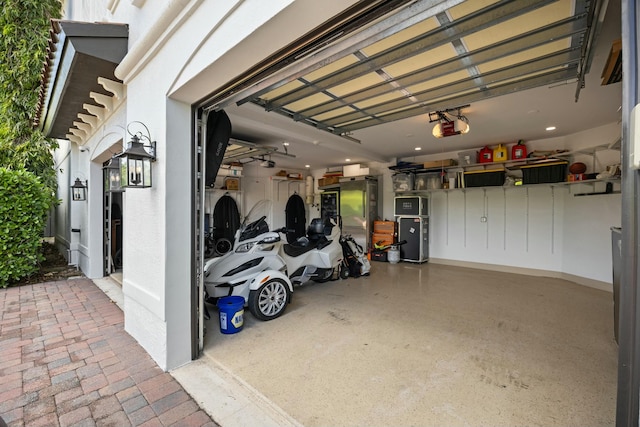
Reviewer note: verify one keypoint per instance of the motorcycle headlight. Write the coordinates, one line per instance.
(245, 247)
(270, 239)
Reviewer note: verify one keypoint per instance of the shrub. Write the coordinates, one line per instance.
(24, 203)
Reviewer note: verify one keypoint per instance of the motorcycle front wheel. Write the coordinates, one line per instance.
(270, 300)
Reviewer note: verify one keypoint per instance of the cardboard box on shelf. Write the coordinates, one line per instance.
(232, 184)
(331, 180)
(355, 170)
(439, 163)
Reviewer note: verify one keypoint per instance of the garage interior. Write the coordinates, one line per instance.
(432, 344)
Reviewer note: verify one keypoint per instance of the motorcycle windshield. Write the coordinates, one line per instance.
(261, 212)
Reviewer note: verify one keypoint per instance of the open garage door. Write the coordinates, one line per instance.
(381, 63)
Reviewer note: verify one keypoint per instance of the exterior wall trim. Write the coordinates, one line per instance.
(153, 40)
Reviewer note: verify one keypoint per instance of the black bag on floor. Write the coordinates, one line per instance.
(354, 257)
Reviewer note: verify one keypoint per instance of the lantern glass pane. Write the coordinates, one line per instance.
(133, 173)
(124, 172)
(147, 172)
(114, 180)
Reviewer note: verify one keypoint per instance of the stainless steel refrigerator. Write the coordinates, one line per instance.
(359, 207)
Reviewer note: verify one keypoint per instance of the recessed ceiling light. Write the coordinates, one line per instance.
(347, 160)
(307, 166)
(418, 148)
(550, 128)
(286, 144)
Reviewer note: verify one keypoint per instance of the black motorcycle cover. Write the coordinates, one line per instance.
(296, 218)
(217, 139)
(226, 218)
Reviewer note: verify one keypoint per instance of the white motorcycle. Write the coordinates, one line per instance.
(263, 270)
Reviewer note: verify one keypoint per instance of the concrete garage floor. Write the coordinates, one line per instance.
(432, 345)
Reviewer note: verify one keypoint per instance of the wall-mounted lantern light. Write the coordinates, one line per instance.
(112, 178)
(135, 161)
(79, 190)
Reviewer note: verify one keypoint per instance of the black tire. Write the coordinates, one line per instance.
(209, 247)
(344, 272)
(223, 246)
(270, 300)
(328, 276)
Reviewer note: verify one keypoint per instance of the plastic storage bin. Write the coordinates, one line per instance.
(469, 157)
(545, 172)
(428, 181)
(403, 181)
(484, 178)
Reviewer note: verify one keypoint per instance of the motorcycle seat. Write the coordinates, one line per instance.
(294, 250)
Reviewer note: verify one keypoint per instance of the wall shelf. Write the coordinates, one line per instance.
(515, 166)
(565, 184)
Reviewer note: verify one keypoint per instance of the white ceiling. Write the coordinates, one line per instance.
(504, 119)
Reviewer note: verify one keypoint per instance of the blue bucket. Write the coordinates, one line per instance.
(231, 314)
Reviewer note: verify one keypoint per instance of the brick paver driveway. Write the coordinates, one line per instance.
(65, 360)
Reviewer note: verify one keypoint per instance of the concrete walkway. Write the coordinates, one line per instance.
(65, 360)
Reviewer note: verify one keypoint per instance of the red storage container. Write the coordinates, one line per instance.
(485, 155)
(519, 151)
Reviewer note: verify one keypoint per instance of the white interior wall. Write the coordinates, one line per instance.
(260, 183)
(587, 243)
(537, 229)
(523, 227)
